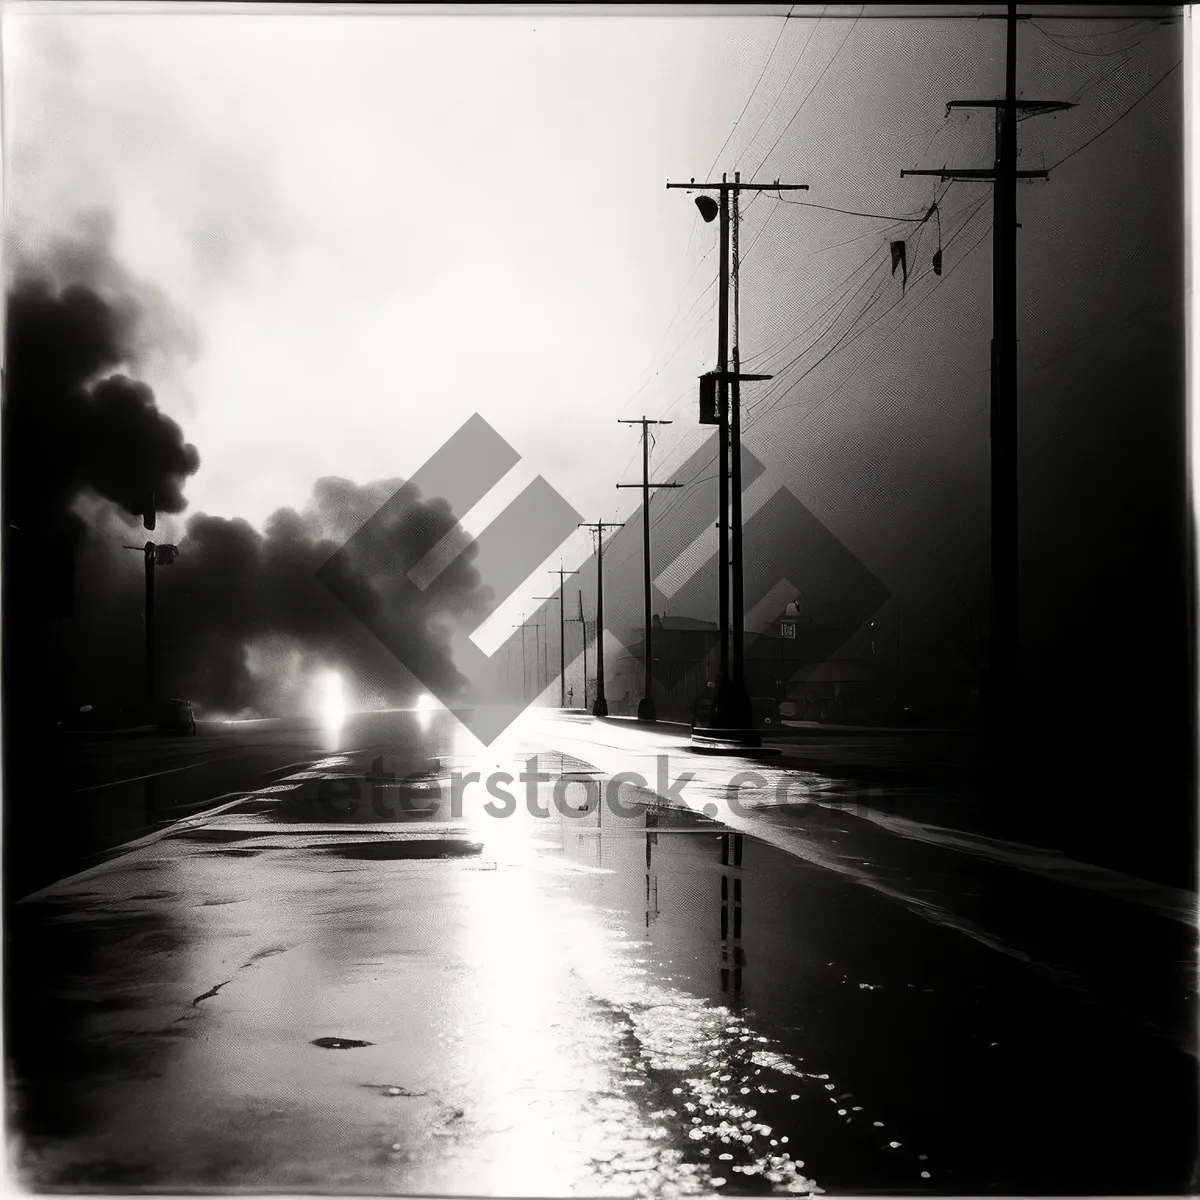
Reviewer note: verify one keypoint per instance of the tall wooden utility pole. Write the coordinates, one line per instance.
(562, 641)
(161, 555)
(646, 709)
(557, 598)
(601, 706)
(151, 682)
(743, 714)
(582, 622)
(1003, 694)
(524, 670)
(733, 717)
(539, 674)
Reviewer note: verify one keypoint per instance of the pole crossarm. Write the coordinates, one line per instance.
(1035, 106)
(776, 186)
(939, 16)
(973, 173)
(730, 376)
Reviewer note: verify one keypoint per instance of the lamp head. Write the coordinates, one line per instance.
(708, 207)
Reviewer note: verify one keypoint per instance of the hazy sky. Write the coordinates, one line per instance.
(380, 223)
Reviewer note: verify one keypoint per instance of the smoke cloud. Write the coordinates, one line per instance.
(73, 421)
(242, 622)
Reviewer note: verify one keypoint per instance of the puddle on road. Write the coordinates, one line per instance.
(721, 998)
(336, 1043)
(397, 848)
(700, 941)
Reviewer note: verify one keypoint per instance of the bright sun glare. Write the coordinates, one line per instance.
(333, 701)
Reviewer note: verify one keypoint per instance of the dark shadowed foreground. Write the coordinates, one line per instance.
(290, 965)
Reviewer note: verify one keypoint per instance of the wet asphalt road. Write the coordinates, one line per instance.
(292, 979)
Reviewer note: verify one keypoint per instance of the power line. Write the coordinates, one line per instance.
(1102, 32)
(753, 90)
(773, 388)
(1161, 79)
(1100, 77)
(845, 340)
(746, 253)
(804, 101)
(831, 350)
(883, 341)
(858, 237)
(1086, 53)
(675, 318)
(666, 509)
(907, 316)
(849, 212)
(779, 95)
(856, 270)
(697, 478)
(686, 338)
(779, 372)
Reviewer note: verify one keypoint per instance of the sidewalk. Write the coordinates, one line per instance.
(1111, 937)
(858, 753)
(801, 728)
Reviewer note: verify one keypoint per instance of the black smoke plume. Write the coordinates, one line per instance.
(241, 621)
(245, 626)
(76, 425)
(74, 422)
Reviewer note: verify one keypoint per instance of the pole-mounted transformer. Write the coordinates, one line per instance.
(709, 413)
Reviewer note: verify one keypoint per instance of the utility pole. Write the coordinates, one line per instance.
(601, 707)
(148, 552)
(154, 556)
(1004, 723)
(562, 670)
(733, 716)
(646, 709)
(537, 659)
(538, 673)
(562, 641)
(742, 714)
(524, 671)
(537, 649)
(583, 632)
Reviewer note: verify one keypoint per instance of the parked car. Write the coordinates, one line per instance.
(176, 719)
